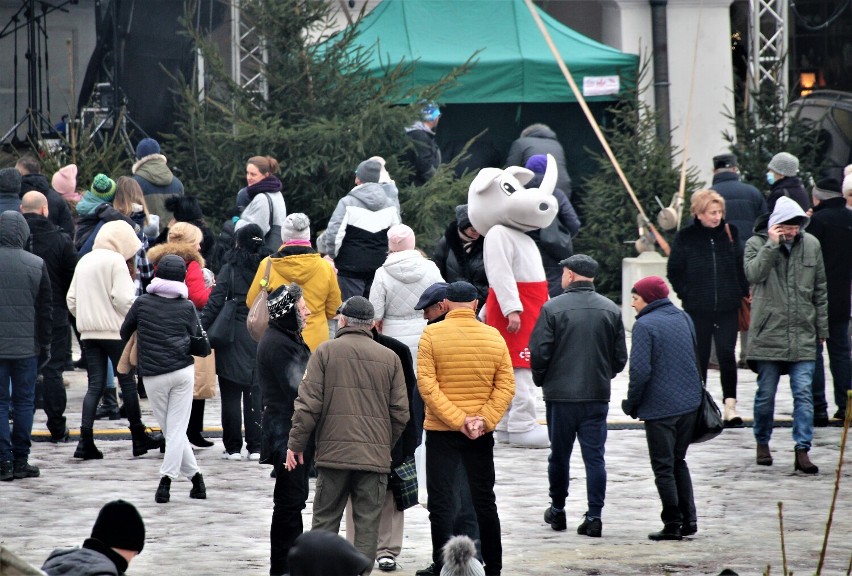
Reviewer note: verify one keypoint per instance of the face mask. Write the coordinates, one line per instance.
(770, 178)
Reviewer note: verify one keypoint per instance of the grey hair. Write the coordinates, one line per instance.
(350, 321)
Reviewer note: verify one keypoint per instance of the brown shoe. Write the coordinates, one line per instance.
(764, 457)
(803, 463)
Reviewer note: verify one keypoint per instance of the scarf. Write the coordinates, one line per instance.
(467, 242)
(269, 184)
(298, 242)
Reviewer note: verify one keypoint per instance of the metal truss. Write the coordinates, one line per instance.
(768, 29)
(249, 53)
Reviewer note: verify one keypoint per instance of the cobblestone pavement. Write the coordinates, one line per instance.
(737, 504)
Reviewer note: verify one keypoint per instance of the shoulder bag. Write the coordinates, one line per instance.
(199, 345)
(403, 484)
(258, 316)
(221, 332)
(272, 239)
(708, 421)
(744, 313)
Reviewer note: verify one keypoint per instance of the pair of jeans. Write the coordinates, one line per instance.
(21, 372)
(54, 396)
(801, 381)
(350, 287)
(668, 439)
(840, 365)
(97, 353)
(720, 327)
(586, 422)
(289, 499)
(444, 451)
(240, 404)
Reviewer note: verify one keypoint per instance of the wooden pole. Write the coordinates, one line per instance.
(594, 123)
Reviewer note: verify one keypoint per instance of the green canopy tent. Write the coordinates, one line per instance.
(515, 80)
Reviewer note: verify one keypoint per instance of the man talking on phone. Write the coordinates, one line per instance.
(784, 266)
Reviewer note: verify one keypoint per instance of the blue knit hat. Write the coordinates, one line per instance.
(147, 147)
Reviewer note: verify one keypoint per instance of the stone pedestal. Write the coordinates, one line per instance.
(633, 270)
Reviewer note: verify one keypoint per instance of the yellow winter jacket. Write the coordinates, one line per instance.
(319, 286)
(463, 369)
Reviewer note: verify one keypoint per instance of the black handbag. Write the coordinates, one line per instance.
(221, 332)
(403, 484)
(199, 345)
(708, 417)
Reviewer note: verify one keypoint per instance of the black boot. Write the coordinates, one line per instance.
(144, 441)
(162, 496)
(199, 490)
(108, 410)
(196, 424)
(86, 448)
(671, 531)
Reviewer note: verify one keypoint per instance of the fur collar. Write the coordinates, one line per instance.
(144, 159)
(185, 251)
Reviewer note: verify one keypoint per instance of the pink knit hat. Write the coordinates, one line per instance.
(64, 180)
(400, 237)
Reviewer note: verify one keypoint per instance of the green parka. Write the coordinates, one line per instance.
(789, 297)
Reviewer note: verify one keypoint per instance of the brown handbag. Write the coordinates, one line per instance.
(258, 316)
(129, 356)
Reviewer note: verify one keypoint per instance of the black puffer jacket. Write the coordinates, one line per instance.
(58, 211)
(51, 244)
(790, 186)
(163, 328)
(578, 346)
(25, 294)
(455, 264)
(705, 268)
(236, 361)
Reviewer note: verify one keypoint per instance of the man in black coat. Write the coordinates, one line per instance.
(578, 347)
(55, 247)
(33, 179)
(831, 223)
(25, 327)
(423, 155)
(743, 202)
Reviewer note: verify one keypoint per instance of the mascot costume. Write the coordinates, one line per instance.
(502, 210)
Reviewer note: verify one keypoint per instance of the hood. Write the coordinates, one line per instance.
(406, 266)
(499, 197)
(541, 132)
(118, 236)
(787, 209)
(372, 194)
(298, 268)
(153, 169)
(78, 561)
(419, 125)
(185, 251)
(14, 231)
(34, 182)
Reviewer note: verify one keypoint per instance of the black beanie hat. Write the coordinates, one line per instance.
(322, 553)
(249, 237)
(119, 525)
(184, 208)
(171, 267)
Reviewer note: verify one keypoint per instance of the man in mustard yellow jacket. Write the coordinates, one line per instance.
(465, 377)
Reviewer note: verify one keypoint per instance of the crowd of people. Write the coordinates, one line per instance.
(358, 355)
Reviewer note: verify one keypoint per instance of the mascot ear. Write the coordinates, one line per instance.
(483, 180)
(523, 175)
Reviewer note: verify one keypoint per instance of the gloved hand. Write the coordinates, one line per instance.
(629, 410)
(43, 358)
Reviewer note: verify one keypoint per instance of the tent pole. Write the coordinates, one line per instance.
(595, 126)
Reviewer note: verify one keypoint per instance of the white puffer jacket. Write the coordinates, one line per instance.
(397, 287)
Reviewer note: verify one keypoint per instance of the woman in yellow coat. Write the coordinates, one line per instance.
(298, 262)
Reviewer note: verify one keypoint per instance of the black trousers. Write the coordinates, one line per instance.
(54, 398)
(289, 499)
(668, 439)
(240, 404)
(721, 327)
(444, 452)
(97, 352)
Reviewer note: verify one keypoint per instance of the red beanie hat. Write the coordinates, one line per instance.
(651, 288)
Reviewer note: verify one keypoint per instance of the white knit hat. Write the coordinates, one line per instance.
(296, 226)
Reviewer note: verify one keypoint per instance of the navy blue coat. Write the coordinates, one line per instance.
(664, 378)
(743, 203)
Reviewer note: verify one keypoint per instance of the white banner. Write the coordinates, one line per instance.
(600, 85)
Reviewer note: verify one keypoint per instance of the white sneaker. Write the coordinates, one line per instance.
(231, 456)
(254, 456)
(535, 438)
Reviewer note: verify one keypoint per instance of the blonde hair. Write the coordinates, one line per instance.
(127, 193)
(185, 233)
(700, 202)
